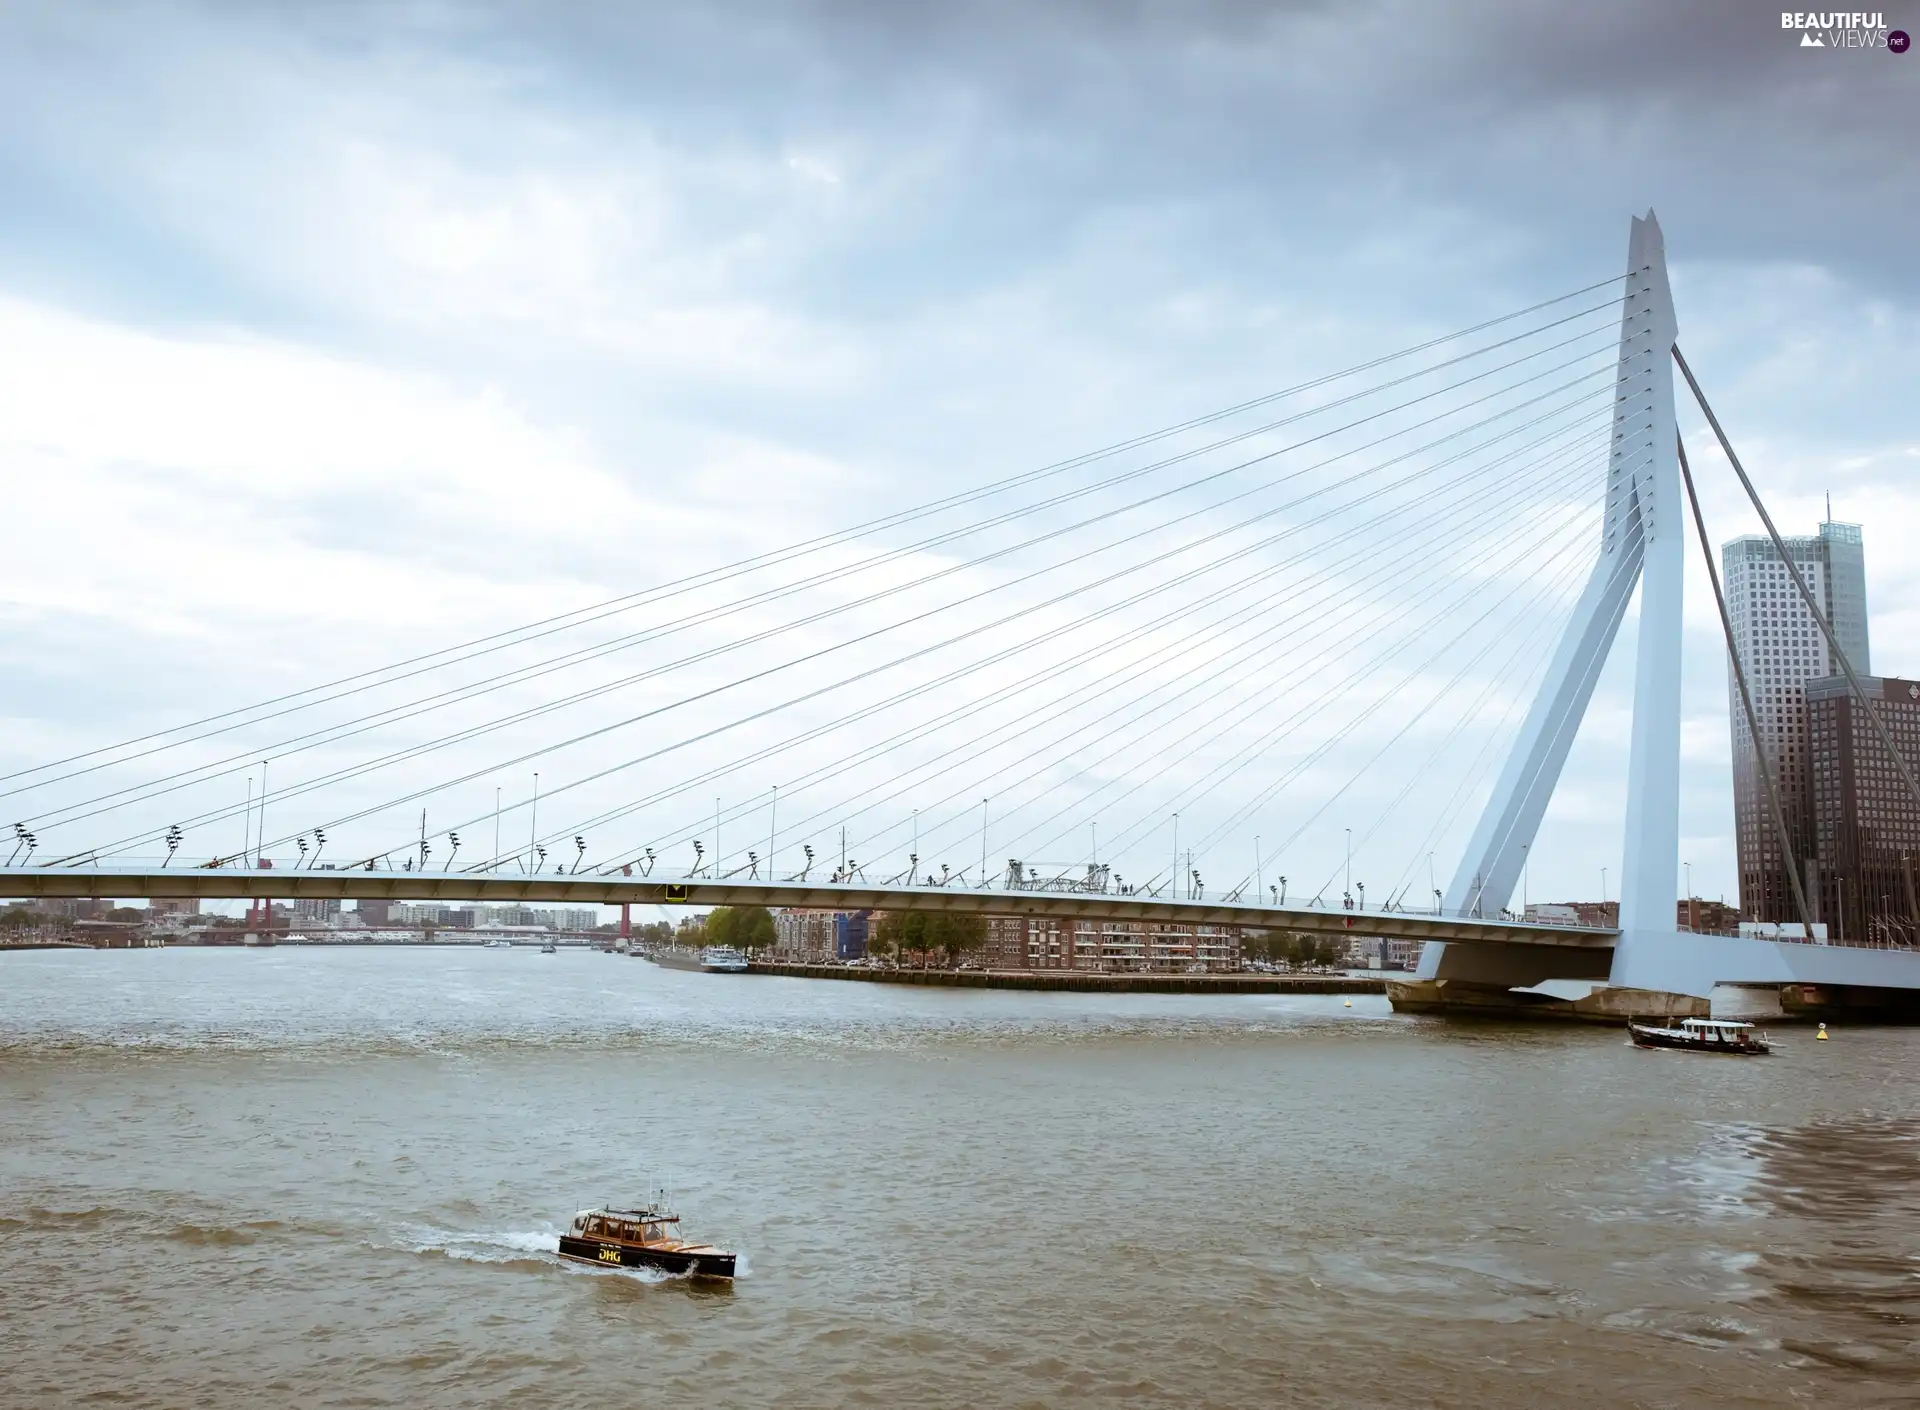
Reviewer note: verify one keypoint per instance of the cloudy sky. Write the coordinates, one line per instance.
(331, 335)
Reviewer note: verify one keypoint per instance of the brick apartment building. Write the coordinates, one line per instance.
(820, 936)
(1018, 942)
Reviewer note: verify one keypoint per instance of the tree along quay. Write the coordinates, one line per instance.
(1084, 982)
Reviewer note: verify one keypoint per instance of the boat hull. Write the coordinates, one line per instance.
(603, 1253)
(681, 959)
(668, 959)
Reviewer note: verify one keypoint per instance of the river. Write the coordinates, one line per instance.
(333, 1178)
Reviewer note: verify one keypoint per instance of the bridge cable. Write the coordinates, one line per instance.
(1028, 611)
(245, 761)
(1194, 793)
(1800, 582)
(970, 708)
(1173, 615)
(1191, 545)
(707, 578)
(1331, 627)
(1787, 850)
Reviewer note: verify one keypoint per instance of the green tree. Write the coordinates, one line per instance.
(1296, 950)
(1304, 950)
(902, 933)
(956, 935)
(889, 936)
(743, 927)
(916, 932)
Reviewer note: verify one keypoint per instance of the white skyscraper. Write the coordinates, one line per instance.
(1780, 649)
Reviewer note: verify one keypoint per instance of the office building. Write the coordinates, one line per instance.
(1780, 649)
(1865, 820)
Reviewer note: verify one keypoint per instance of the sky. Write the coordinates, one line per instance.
(335, 334)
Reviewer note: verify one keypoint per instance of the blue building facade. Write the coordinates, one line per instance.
(850, 935)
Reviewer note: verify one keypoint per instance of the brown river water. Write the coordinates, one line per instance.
(333, 1178)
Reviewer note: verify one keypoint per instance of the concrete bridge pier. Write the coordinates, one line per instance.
(1533, 982)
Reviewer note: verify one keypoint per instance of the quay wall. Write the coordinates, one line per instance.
(1084, 981)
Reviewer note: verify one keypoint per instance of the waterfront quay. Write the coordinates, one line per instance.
(1084, 981)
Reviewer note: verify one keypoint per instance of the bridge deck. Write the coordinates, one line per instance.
(161, 883)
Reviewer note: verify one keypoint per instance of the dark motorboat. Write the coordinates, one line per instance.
(641, 1238)
(1702, 1035)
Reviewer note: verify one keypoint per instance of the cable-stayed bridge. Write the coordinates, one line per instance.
(1330, 625)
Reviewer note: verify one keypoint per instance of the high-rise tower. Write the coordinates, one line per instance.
(1781, 648)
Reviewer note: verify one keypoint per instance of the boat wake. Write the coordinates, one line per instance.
(533, 1247)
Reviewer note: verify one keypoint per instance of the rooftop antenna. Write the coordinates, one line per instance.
(1829, 506)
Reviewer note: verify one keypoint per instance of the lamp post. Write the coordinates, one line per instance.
(983, 842)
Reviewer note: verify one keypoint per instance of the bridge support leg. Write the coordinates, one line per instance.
(1650, 861)
(1641, 542)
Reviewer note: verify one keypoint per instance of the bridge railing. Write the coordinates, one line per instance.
(1028, 879)
(1019, 879)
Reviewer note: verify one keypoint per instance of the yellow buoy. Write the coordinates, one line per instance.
(1349, 1003)
(1822, 1034)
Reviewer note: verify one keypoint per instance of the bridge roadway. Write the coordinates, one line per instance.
(202, 883)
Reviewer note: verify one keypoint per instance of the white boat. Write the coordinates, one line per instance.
(499, 942)
(1701, 1035)
(723, 959)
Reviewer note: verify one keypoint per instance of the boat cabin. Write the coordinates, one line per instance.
(631, 1226)
(1717, 1030)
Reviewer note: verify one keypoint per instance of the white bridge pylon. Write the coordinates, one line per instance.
(1641, 544)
